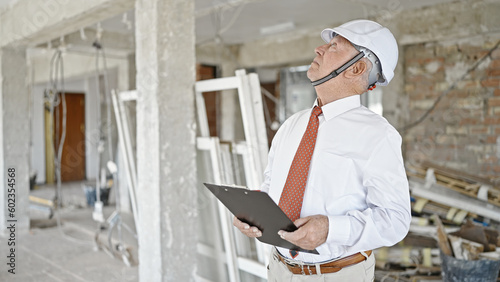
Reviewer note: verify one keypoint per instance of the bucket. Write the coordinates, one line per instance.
(459, 270)
(90, 194)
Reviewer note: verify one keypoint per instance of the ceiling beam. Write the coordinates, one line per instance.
(116, 41)
(31, 23)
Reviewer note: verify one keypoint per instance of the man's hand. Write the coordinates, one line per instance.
(250, 231)
(312, 232)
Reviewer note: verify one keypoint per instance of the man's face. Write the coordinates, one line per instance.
(330, 56)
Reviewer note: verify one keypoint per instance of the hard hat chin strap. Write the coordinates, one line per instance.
(339, 70)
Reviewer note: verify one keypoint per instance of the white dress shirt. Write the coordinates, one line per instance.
(356, 178)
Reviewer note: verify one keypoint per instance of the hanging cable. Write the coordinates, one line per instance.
(232, 20)
(53, 99)
(109, 138)
(114, 221)
(108, 107)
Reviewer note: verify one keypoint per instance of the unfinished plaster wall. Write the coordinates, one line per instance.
(440, 46)
(462, 132)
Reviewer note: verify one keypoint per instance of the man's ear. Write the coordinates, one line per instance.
(359, 68)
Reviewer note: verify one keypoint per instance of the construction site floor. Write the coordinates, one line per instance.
(68, 252)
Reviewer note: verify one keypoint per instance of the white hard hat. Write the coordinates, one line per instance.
(375, 38)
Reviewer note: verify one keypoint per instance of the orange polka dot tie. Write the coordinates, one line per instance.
(295, 185)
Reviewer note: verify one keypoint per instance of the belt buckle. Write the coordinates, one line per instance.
(295, 264)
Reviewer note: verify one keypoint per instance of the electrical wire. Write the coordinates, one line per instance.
(452, 86)
(117, 221)
(270, 123)
(216, 18)
(56, 69)
(97, 45)
(31, 83)
(108, 106)
(109, 138)
(99, 124)
(232, 20)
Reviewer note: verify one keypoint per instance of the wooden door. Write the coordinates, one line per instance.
(73, 153)
(212, 102)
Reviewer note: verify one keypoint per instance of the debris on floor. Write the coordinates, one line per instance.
(454, 231)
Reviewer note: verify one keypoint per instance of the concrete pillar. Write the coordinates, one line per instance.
(14, 139)
(166, 151)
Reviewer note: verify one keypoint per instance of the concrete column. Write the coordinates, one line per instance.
(166, 151)
(14, 138)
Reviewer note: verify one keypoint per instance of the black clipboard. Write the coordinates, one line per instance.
(257, 209)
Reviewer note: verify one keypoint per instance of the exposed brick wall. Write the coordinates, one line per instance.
(463, 130)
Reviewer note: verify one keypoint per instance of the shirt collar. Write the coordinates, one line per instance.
(340, 106)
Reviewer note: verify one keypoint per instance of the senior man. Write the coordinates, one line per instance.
(336, 169)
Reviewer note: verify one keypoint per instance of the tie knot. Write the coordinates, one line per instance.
(316, 111)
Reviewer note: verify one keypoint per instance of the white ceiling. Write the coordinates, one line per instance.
(237, 21)
(252, 15)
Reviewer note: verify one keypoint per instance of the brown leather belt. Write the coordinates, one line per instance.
(329, 267)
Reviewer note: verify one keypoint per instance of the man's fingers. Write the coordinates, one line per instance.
(282, 234)
(240, 224)
(312, 232)
(291, 237)
(301, 221)
(250, 231)
(256, 231)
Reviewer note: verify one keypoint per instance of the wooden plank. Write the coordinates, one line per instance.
(463, 187)
(443, 242)
(461, 175)
(442, 195)
(465, 249)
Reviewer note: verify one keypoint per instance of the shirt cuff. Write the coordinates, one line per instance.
(339, 229)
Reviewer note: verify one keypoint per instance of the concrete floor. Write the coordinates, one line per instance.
(46, 254)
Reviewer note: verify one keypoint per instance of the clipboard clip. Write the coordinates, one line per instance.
(238, 186)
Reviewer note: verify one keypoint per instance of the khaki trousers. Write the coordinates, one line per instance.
(361, 272)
